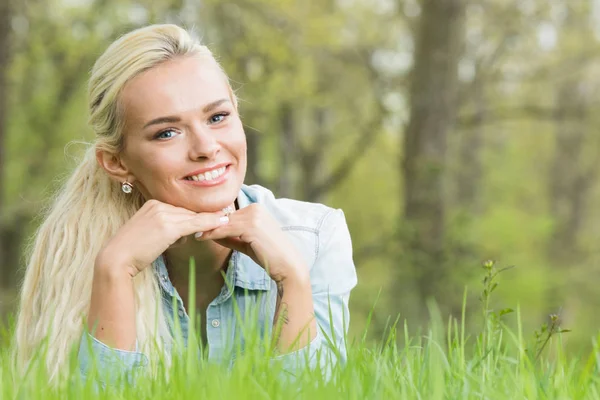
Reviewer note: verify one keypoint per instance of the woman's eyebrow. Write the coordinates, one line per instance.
(211, 106)
(171, 119)
(162, 120)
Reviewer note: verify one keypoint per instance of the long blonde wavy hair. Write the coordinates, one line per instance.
(88, 210)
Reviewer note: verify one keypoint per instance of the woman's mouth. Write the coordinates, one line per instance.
(210, 177)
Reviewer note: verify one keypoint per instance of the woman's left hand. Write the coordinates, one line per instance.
(254, 232)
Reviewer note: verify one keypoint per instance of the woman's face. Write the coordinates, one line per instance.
(184, 140)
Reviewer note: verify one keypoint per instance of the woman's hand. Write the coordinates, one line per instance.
(254, 232)
(153, 229)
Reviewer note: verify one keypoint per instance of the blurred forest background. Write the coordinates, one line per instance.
(449, 131)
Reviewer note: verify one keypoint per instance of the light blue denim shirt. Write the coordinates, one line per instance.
(319, 233)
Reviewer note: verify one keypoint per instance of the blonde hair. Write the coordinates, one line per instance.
(88, 210)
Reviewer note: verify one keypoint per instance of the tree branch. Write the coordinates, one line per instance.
(343, 169)
(516, 113)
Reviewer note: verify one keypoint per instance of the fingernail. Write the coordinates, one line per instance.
(198, 234)
(224, 220)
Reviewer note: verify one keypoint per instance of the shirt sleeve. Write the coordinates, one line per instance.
(332, 276)
(106, 364)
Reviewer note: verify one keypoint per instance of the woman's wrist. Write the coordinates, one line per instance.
(112, 269)
(295, 275)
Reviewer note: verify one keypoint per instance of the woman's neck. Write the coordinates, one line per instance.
(211, 261)
(208, 257)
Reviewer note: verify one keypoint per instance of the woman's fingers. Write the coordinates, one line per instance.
(240, 226)
(224, 231)
(203, 222)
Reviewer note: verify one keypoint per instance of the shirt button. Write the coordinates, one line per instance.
(215, 323)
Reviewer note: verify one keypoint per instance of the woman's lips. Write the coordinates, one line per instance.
(213, 182)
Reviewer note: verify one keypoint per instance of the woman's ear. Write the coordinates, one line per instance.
(114, 166)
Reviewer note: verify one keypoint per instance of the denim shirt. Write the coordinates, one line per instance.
(320, 235)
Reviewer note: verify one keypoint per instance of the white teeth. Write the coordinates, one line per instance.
(208, 176)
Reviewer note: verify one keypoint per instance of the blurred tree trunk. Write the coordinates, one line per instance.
(6, 268)
(253, 146)
(287, 152)
(571, 175)
(313, 161)
(570, 181)
(433, 98)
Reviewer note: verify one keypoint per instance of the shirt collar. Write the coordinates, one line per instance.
(242, 270)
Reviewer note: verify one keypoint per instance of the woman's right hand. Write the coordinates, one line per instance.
(153, 229)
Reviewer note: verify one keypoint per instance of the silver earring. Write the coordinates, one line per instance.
(126, 187)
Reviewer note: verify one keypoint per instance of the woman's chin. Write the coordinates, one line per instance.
(213, 202)
(211, 208)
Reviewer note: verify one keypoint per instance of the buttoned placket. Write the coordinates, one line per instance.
(169, 292)
(214, 312)
(215, 332)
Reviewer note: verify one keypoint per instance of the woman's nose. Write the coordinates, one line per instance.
(203, 144)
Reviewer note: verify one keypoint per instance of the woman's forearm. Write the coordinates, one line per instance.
(111, 317)
(294, 325)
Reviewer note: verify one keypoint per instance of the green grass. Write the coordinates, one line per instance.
(444, 362)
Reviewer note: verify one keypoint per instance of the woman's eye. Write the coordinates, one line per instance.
(215, 119)
(168, 134)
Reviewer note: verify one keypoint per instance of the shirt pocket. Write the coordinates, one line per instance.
(305, 241)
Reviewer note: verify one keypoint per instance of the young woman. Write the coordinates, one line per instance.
(164, 182)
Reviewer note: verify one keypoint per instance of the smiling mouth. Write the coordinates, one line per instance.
(208, 175)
